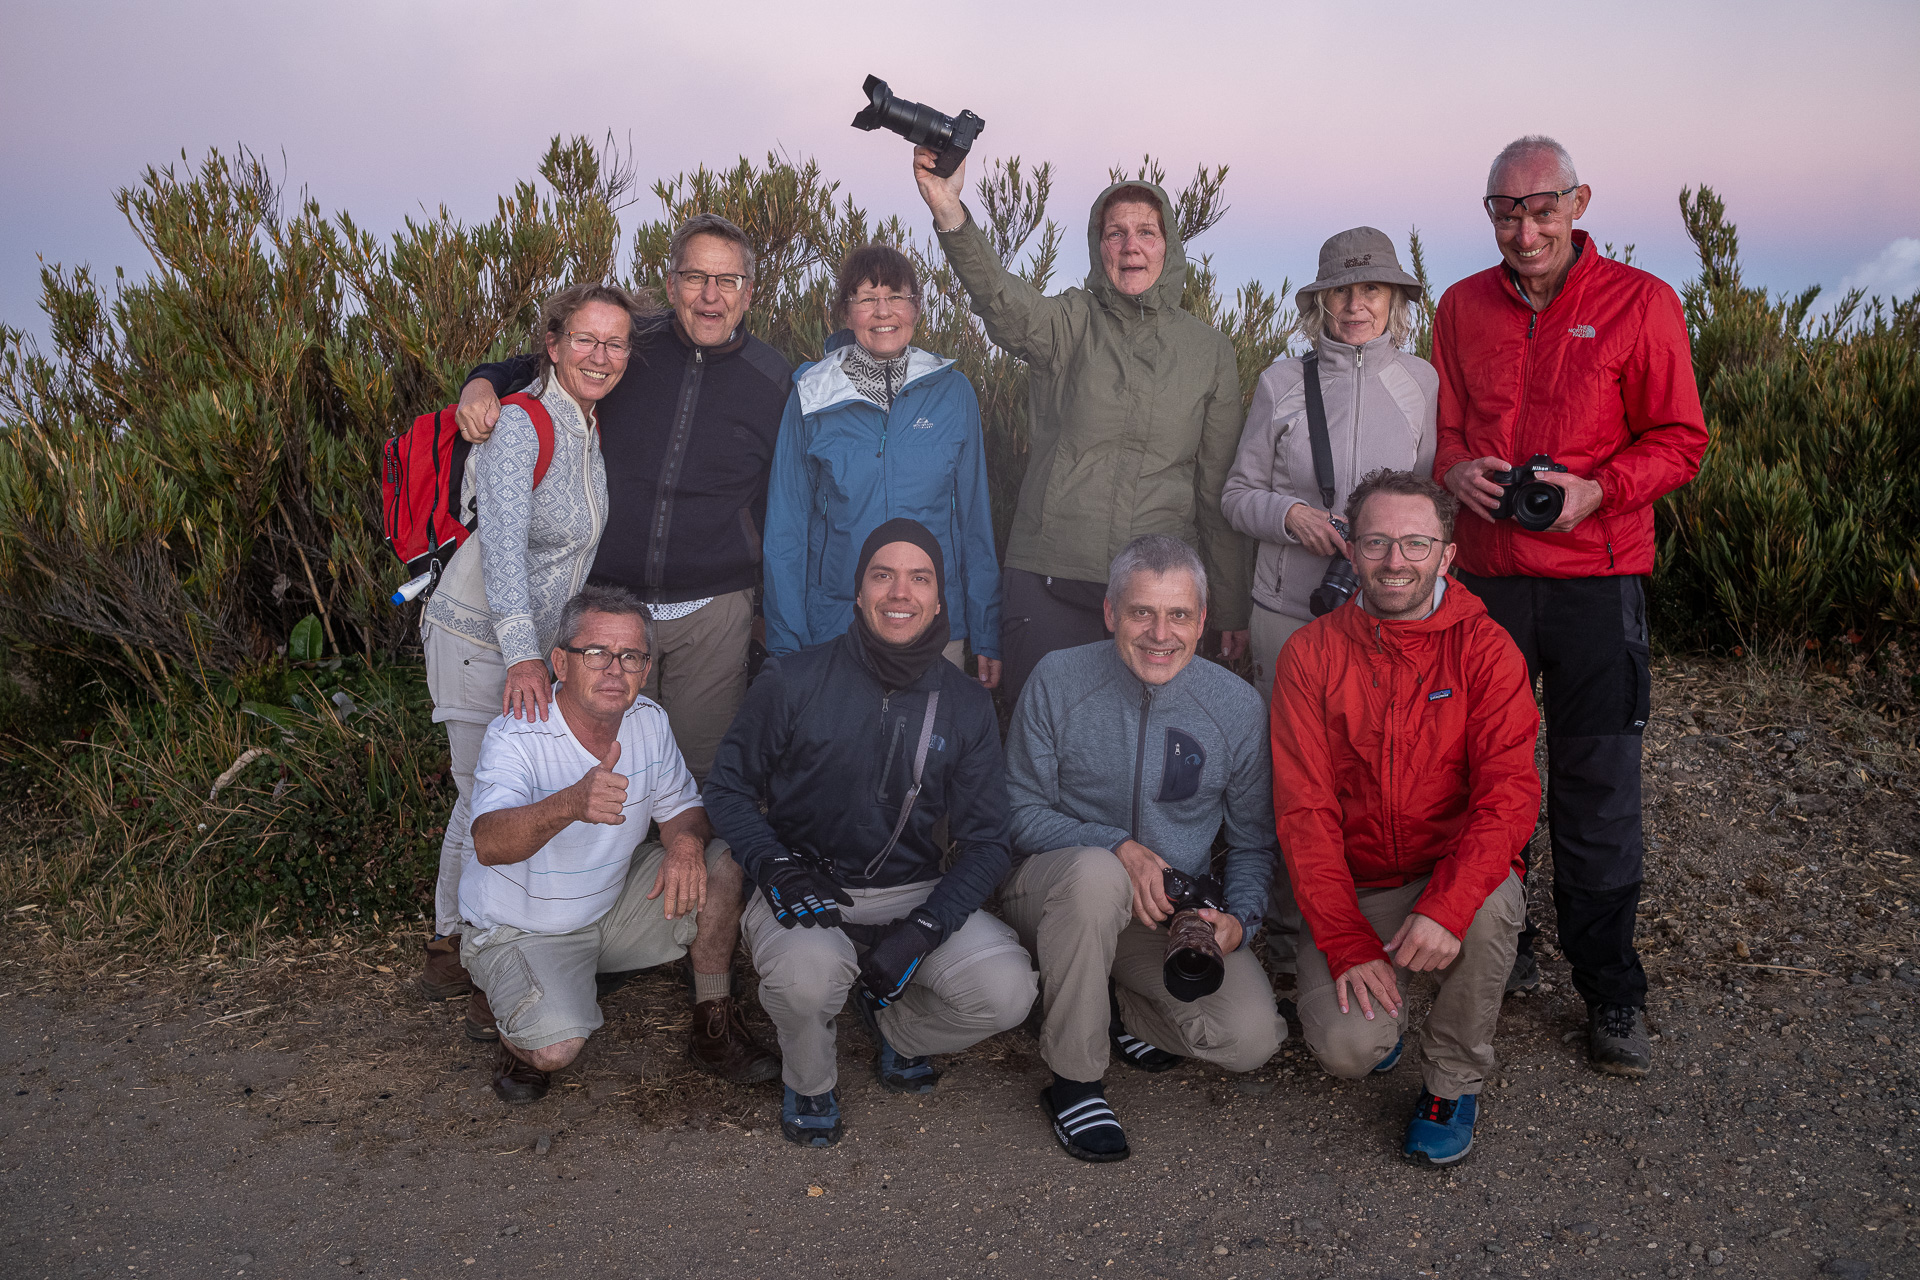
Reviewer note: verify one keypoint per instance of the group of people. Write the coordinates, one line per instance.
(853, 816)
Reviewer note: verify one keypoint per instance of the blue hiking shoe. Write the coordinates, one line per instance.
(1392, 1059)
(896, 1071)
(1441, 1131)
(811, 1120)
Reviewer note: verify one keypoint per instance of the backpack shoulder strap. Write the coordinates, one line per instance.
(542, 429)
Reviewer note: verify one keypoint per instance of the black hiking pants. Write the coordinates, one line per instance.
(1039, 614)
(1587, 640)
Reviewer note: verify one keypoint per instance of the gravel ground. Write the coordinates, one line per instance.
(300, 1113)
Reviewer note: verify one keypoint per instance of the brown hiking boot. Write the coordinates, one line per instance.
(478, 1024)
(722, 1045)
(441, 977)
(514, 1082)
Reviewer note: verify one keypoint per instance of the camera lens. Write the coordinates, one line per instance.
(1336, 585)
(1537, 505)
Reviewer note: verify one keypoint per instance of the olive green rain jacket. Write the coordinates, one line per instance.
(1134, 412)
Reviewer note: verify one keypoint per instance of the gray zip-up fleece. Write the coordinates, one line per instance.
(1096, 756)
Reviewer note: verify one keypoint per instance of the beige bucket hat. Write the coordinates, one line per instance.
(1351, 257)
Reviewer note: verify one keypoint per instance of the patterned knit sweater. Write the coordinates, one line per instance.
(507, 584)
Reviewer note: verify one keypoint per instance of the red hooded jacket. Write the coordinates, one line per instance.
(1399, 749)
(1602, 380)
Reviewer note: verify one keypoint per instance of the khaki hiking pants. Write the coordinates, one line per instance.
(1073, 909)
(467, 682)
(699, 674)
(1456, 1041)
(975, 984)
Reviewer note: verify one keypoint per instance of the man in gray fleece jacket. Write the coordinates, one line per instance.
(1124, 759)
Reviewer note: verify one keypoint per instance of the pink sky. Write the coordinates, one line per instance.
(1806, 118)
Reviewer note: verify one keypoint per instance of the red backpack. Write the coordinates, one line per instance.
(426, 509)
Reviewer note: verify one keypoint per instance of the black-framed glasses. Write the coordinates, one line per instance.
(729, 282)
(632, 661)
(583, 344)
(1541, 204)
(1415, 546)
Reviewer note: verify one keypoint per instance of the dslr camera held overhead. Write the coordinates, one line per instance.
(949, 137)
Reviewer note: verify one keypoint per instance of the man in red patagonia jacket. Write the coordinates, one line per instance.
(1564, 352)
(1404, 788)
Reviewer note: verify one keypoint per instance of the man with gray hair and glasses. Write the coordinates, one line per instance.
(1563, 352)
(688, 439)
(560, 891)
(1124, 760)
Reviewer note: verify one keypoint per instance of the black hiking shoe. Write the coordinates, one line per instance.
(1617, 1040)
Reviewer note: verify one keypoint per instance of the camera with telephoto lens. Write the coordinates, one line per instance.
(1339, 582)
(1194, 966)
(1527, 500)
(948, 137)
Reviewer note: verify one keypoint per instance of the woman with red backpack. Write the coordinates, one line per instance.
(493, 616)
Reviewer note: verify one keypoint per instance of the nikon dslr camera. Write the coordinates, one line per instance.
(1527, 500)
(1339, 582)
(948, 137)
(1194, 966)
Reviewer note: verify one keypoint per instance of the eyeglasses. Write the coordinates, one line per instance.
(632, 661)
(1540, 206)
(891, 299)
(1414, 546)
(584, 343)
(696, 281)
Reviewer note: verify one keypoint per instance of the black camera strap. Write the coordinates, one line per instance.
(1317, 431)
(879, 859)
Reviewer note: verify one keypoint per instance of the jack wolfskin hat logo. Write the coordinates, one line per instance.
(1581, 331)
(1364, 260)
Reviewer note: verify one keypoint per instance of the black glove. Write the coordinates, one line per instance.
(897, 950)
(801, 894)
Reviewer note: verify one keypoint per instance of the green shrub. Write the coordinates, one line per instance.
(1804, 523)
(335, 796)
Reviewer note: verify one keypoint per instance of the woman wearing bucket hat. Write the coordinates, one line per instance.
(1379, 401)
(1379, 409)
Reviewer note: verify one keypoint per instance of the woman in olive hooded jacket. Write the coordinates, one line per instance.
(1134, 415)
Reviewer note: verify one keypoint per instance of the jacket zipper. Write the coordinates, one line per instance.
(1359, 372)
(597, 515)
(893, 744)
(1140, 757)
(670, 470)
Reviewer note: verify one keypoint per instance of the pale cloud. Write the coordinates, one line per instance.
(1893, 274)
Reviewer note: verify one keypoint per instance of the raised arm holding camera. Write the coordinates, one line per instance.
(1134, 413)
(1563, 356)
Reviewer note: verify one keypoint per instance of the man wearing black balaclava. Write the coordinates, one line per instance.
(858, 748)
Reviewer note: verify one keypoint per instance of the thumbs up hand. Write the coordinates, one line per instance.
(601, 796)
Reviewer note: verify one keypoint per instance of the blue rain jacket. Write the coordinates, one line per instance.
(843, 467)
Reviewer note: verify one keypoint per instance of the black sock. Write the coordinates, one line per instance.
(1066, 1092)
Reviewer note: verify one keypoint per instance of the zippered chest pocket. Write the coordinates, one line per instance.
(1180, 770)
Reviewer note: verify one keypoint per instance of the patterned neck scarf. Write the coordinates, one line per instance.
(875, 380)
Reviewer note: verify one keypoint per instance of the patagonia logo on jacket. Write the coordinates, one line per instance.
(1438, 694)
(1582, 331)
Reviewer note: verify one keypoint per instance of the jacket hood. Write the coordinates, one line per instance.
(825, 383)
(1164, 294)
(1458, 607)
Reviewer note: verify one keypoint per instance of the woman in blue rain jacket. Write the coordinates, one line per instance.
(875, 429)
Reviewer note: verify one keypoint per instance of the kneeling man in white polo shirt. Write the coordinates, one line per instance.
(559, 887)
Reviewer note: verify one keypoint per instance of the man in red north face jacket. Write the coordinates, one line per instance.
(1564, 352)
(1403, 731)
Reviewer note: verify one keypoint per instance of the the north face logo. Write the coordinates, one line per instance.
(1581, 331)
(1364, 260)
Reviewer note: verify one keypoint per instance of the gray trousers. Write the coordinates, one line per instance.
(699, 674)
(1456, 1040)
(467, 682)
(975, 984)
(1073, 909)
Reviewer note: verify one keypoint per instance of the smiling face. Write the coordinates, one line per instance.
(1157, 623)
(1396, 588)
(1538, 248)
(602, 695)
(1358, 313)
(709, 313)
(882, 319)
(587, 377)
(899, 594)
(1133, 248)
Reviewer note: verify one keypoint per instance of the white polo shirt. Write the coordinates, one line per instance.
(576, 877)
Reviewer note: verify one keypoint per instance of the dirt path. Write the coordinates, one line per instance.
(304, 1115)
